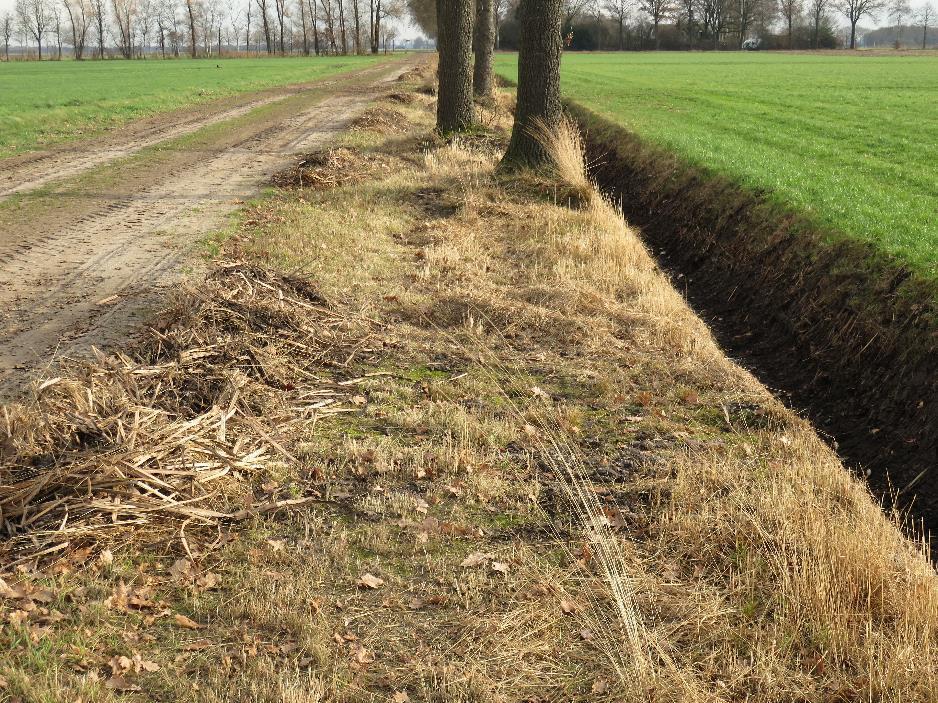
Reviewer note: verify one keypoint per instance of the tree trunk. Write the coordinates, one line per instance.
(538, 80)
(342, 27)
(314, 18)
(483, 45)
(455, 110)
(358, 28)
(853, 35)
(191, 27)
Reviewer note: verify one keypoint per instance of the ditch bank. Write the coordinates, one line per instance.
(846, 334)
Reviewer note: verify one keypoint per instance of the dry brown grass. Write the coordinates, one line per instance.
(567, 491)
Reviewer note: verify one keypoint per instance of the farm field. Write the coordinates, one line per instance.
(49, 102)
(852, 141)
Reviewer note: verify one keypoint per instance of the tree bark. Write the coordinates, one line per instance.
(538, 80)
(191, 27)
(483, 45)
(455, 110)
(853, 36)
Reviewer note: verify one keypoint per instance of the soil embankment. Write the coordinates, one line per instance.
(849, 336)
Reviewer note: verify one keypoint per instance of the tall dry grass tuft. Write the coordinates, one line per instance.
(564, 144)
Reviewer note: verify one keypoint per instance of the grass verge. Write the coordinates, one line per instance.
(53, 101)
(832, 321)
(553, 485)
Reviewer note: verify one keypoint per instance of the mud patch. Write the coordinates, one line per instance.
(847, 335)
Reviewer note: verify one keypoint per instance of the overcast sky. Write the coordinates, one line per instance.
(409, 31)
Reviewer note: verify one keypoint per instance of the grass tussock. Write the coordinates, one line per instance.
(553, 485)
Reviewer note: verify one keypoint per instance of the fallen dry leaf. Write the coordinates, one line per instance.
(569, 607)
(370, 581)
(600, 686)
(400, 697)
(475, 559)
(197, 646)
(500, 566)
(119, 683)
(187, 623)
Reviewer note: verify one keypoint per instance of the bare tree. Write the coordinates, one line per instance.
(99, 11)
(265, 22)
(6, 28)
(79, 13)
(789, 10)
(898, 10)
(818, 10)
(356, 13)
(455, 109)
(304, 26)
(538, 81)
(330, 25)
(35, 18)
(572, 9)
(314, 23)
(745, 12)
(124, 11)
(374, 22)
(926, 14)
(192, 9)
(855, 10)
(280, 10)
(657, 10)
(619, 12)
(234, 21)
(146, 16)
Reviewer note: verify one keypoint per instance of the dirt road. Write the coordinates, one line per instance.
(86, 259)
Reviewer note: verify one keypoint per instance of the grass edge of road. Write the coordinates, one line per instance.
(89, 131)
(487, 334)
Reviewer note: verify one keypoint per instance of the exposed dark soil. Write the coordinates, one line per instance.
(847, 336)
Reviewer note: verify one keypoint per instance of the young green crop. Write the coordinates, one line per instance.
(47, 102)
(852, 141)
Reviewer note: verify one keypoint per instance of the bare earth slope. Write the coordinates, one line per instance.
(82, 261)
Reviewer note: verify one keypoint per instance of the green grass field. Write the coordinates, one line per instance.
(52, 101)
(851, 141)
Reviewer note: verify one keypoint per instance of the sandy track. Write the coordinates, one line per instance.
(90, 282)
(30, 171)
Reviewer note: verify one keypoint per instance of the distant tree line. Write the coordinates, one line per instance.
(96, 29)
(638, 25)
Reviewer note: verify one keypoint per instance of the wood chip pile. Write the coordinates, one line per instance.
(171, 432)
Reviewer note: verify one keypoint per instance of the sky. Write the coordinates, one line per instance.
(409, 31)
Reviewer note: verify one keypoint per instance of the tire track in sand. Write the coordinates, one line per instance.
(93, 281)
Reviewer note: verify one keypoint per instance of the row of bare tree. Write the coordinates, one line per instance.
(88, 28)
(714, 23)
(465, 31)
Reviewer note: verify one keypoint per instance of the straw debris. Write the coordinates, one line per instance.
(175, 428)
